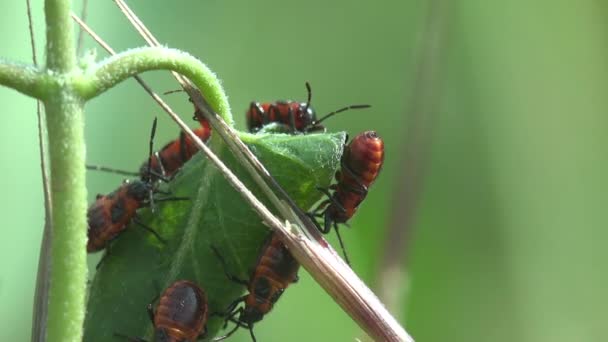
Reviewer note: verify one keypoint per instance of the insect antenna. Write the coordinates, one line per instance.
(326, 116)
(173, 91)
(148, 178)
(151, 150)
(111, 170)
(309, 90)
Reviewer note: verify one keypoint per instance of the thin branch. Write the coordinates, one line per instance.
(320, 260)
(43, 277)
(83, 16)
(137, 24)
(31, 29)
(41, 296)
(85, 28)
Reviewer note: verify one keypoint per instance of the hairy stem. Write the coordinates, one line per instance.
(60, 50)
(24, 79)
(130, 63)
(65, 128)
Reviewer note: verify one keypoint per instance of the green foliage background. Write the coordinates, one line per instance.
(507, 241)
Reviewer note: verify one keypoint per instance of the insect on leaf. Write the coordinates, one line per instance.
(139, 267)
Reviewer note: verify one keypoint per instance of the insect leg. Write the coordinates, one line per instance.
(320, 207)
(149, 229)
(331, 199)
(103, 258)
(351, 173)
(225, 266)
(203, 334)
(313, 218)
(236, 327)
(159, 160)
(182, 147)
(172, 199)
(292, 120)
(341, 244)
(251, 332)
(266, 116)
(151, 201)
(230, 316)
(150, 312)
(255, 113)
(318, 212)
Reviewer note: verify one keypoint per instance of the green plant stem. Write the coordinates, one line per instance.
(132, 62)
(65, 129)
(60, 50)
(65, 126)
(24, 78)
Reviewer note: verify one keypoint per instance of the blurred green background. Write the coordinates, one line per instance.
(488, 221)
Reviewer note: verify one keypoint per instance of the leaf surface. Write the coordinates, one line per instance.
(139, 267)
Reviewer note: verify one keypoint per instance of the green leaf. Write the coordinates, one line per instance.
(139, 266)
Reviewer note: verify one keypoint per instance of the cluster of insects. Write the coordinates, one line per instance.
(182, 310)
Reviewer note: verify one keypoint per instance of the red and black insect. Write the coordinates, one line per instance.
(168, 160)
(180, 316)
(360, 165)
(176, 153)
(298, 117)
(110, 214)
(274, 271)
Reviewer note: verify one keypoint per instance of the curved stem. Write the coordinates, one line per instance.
(24, 78)
(130, 63)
